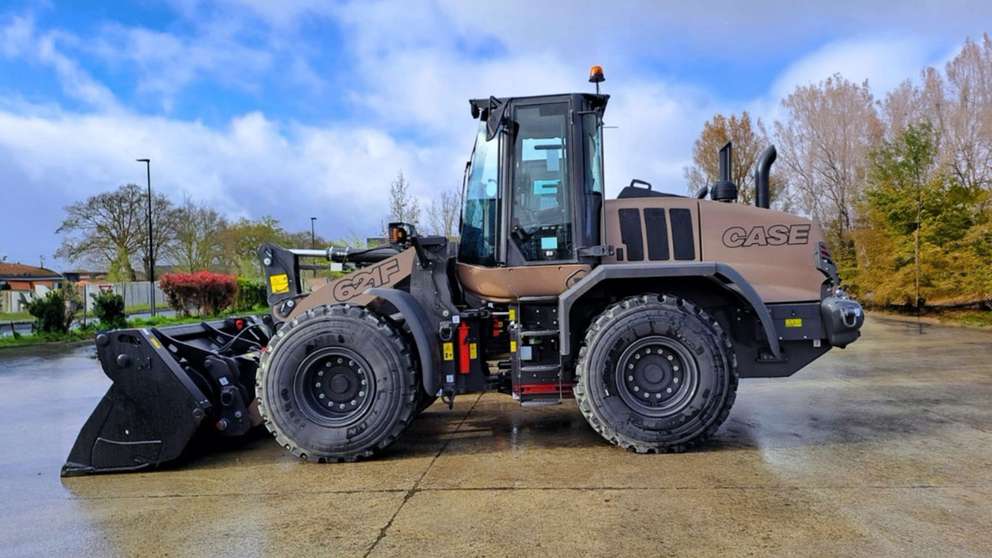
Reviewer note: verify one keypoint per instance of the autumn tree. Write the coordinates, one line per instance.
(110, 229)
(443, 213)
(748, 142)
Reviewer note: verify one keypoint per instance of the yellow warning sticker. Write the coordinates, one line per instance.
(449, 351)
(279, 283)
(513, 314)
(154, 342)
(793, 322)
(513, 346)
(473, 351)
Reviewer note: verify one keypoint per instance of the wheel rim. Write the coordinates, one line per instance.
(334, 387)
(657, 376)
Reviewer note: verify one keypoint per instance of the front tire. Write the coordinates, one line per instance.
(336, 384)
(656, 374)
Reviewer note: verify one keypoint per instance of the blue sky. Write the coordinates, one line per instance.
(309, 107)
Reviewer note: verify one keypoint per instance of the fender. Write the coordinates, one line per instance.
(420, 327)
(723, 274)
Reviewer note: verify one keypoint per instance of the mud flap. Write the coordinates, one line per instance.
(149, 414)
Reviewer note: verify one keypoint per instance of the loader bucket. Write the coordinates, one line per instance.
(166, 384)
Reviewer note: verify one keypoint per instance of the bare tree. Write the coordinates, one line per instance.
(198, 243)
(403, 206)
(826, 139)
(443, 213)
(958, 104)
(111, 229)
(966, 125)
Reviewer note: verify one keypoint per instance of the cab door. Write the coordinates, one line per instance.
(539, 185)
(535, 254)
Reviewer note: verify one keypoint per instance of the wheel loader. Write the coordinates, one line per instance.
(646, 309)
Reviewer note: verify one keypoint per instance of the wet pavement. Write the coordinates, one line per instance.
(882, 449)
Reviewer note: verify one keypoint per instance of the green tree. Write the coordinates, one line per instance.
(241, 241)
(912, 244)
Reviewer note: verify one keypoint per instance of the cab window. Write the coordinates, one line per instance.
(540, 218)
(480, 209)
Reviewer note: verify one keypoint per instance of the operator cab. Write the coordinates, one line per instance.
(533, 188)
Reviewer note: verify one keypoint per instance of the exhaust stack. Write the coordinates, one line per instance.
(761, 173)
(725, 190)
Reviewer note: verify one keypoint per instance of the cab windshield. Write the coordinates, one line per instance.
(480, 209)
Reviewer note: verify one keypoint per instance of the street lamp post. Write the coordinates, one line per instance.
(151, 245)
(313, 237)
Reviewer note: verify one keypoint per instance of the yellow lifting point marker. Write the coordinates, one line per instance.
(279, 283)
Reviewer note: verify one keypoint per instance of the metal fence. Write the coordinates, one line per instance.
(135, 293)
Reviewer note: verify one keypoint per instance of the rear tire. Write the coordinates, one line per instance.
(656, 374)
(336, 383)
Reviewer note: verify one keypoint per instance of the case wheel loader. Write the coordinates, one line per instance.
(647, 309)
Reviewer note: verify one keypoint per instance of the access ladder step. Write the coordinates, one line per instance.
(539, 333)
(537, 368)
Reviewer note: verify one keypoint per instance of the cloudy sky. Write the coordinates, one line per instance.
(294, 108)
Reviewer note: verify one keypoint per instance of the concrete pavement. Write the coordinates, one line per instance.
(881, 449)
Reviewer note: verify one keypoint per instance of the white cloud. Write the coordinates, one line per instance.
(253, 167)
(20, 40)
(408, 71)
(884, 61)
(166, 64)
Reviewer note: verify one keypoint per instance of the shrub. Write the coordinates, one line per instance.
(54, 312)
(108, 307)
(250, 294)
(203, 291)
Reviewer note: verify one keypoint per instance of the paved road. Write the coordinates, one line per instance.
(883, 449)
